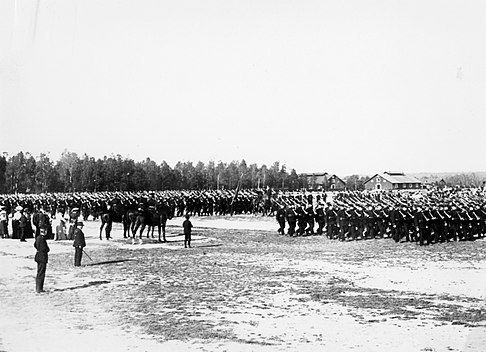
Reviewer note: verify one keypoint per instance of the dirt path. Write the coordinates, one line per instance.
(244, 288)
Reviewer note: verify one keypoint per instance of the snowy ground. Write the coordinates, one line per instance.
(244, 288)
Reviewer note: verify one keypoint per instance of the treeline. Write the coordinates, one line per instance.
(462, 180)
(24, 173)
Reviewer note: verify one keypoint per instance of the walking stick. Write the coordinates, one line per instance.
(87, 255)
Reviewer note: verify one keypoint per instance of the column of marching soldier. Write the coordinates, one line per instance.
(423, 216)
(353, 216)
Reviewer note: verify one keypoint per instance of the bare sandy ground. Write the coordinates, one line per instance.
(244, 288)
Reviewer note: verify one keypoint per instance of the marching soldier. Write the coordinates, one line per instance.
(280, 215)
(320, 218)
(291, 220)
(310, 215)
(301, 219)
(332, 222)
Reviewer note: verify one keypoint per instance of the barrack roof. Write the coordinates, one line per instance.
(396, 177)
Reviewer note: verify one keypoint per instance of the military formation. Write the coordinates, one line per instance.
(424, 217)
(136, 210)
(200, 203)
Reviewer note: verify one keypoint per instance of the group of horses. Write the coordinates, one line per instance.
(142, 218)
(134, 218)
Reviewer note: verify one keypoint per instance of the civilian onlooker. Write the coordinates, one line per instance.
(22, 226)
(3, 222)
(15, 222)
(61, 230)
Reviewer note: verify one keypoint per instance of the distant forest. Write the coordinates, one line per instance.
(24, 173)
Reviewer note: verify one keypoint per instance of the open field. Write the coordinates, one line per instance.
(244, 288)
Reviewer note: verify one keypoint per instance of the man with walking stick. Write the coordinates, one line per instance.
(79, 243)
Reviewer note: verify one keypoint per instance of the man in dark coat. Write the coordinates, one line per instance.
(41, 257)
(187, 225)
(291, 219)
(79, 243)
(280, 215)
(320, 218)
(22, 226)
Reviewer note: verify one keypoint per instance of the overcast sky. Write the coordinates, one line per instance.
(346, 87)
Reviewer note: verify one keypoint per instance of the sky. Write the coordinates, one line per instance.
(344, 87)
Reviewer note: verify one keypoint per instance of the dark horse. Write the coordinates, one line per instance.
(129, 219)
(151, 217)
(108, 215)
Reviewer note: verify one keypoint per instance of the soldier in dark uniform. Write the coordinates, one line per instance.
(280, 215)
(291, 220)
(421, 222)
(320, 218)
(438, 224)
(454, 223)
(301, 219)
(343, 222)
(482, 216)
(361, 221)
(392, 212)
(41, 257)
(463, 223)
(372, 222)
(410, 235)
(187, 226)
(476, 222)
(310, 216)
(381, 221)
(468, 224)
(331, 222)
(402, 223)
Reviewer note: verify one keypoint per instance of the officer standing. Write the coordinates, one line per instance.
(79, 243)
(187, 225)
(41, 257)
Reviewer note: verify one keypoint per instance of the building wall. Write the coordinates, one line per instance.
(378, 182)
(317, 181)
(336, 184)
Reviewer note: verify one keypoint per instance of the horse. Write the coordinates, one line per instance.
(109, 214)
(152, 217)
(144, 219)
(129, 219)
(160, 215)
